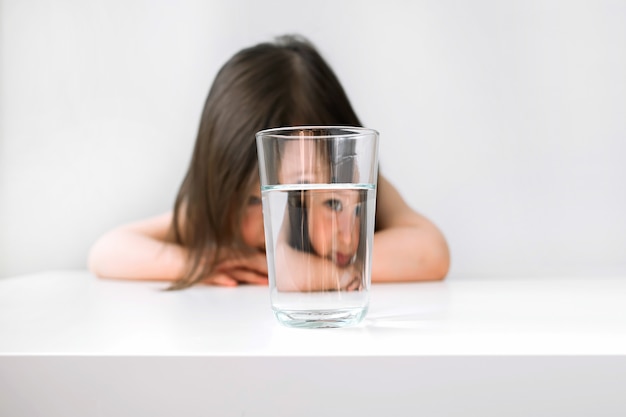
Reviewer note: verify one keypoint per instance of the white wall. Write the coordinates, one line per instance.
(504, 122)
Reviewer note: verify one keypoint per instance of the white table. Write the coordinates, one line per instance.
(75, 345)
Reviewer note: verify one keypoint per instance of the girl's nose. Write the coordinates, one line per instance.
(346, 226)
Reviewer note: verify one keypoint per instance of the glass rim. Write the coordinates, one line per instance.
(350, 131)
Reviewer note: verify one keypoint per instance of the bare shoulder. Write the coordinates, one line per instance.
(391, 208)
(157, 227)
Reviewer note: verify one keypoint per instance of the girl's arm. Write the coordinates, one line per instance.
(407, 246)
(139, 250)
(300, 271)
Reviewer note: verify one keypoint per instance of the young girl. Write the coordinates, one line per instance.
(214, 235)
(321, 245)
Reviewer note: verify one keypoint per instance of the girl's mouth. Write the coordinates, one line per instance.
(342, 259)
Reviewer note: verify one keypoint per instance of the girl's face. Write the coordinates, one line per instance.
(333, 216)
(252, 230)
(334, 224)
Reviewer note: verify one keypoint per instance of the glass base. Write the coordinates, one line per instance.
(316, 319)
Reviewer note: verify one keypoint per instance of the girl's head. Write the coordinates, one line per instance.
(283, 83)
(327, 223)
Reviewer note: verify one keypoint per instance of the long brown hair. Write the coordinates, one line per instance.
(269, 85)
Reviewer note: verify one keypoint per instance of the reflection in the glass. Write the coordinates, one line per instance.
(318, 207)
(322, 243)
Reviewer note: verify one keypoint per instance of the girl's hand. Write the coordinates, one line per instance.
(240, 269)
(352, 279)
(349, 278)
(298, 271)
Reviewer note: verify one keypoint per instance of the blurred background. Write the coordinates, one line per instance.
(503, 122)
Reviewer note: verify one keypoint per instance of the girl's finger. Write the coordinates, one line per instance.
(261, 263)
(256, 263)
(247, 277)
(222, 280)
(244, 266)
(355, 284)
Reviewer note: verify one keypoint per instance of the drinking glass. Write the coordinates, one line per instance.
(318, 185)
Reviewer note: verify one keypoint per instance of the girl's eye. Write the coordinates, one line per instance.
(357, 210)
(254, 200)
(334, 204)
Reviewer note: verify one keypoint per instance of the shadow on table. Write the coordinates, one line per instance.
(423, 307)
